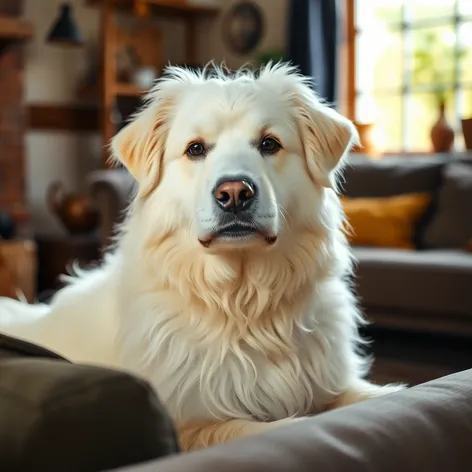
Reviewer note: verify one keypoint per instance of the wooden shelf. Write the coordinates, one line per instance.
(13, 30)
(92, 91)
(165, 8)
(58, 117)
(108, 90)
(128, 90)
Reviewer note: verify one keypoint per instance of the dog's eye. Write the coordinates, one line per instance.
(269, 146)
(196, 150)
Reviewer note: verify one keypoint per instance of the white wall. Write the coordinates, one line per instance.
(53, 75)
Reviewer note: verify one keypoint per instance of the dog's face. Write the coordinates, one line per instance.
(232, 162)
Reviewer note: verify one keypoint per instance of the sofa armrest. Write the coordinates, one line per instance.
(426, 428)
(111, 191)
(56, 416)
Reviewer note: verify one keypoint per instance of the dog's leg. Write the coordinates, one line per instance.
(363, 390)
(200, 434)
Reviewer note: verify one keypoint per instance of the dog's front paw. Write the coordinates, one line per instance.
(363, 390)
(201, 434)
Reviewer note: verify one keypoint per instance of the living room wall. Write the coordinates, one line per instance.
(52, 75)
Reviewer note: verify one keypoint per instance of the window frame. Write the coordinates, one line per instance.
(406, 26)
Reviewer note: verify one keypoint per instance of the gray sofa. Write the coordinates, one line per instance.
(56, 416)
(428, 289)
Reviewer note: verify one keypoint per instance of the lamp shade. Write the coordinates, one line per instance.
(64, 29)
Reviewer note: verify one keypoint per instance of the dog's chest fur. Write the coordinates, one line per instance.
(201, 378)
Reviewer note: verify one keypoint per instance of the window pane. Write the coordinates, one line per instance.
(368, 13)
(379, 63)
(467, 103)
(366, 109)
(433, 55)
(389, 121)
(427, 9)
(465, 48)
(423, 113)
(465, 7)
(465, 112)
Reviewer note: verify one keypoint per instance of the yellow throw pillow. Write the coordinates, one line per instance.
(385, 221)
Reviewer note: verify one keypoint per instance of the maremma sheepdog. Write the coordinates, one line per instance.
(227, 287)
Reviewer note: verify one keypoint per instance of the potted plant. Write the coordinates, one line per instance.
(434, 61)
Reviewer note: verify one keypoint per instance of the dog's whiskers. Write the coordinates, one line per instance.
(282, 212)
(189, 234)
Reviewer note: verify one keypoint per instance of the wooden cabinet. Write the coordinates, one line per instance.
(18, 269)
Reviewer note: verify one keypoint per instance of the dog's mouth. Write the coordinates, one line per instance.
(237, 233)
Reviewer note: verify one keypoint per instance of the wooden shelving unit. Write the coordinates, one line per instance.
(92, 92)
(127, 90)
(13, 30)
(165, 8)
(108, 88)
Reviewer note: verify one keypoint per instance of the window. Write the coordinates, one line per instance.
(408, 56)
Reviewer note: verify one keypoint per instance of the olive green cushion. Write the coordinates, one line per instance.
(58, 416)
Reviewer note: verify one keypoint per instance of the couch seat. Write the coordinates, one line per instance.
(432, 282)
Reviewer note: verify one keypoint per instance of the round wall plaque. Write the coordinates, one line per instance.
(243, 27)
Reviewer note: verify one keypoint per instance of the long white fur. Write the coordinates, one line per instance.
(258, 333)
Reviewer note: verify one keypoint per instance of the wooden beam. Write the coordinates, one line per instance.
(351, 59)
(190, 42)
(108, 44)
(15, 28)
(165, 8)
(52, 117)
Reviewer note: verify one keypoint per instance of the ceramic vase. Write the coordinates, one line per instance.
(442, 134)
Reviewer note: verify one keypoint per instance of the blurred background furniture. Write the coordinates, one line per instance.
(111, 85)
(57, 252)
(18, 265)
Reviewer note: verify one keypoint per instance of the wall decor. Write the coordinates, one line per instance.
(76, 212)
(243, 27)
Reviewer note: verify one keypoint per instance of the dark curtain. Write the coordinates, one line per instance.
(313, 39)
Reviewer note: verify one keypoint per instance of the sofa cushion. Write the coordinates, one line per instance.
(58, 416)
(12, 347)
(451, 225)
(429, 282)
(391, 176)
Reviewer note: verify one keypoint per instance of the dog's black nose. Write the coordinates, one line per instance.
(235, 195)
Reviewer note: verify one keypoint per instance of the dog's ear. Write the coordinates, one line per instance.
(327, 135)
(140, 145)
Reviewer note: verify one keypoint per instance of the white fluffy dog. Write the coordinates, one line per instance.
(227, 287)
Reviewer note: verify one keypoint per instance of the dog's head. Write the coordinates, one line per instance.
(233, 161)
